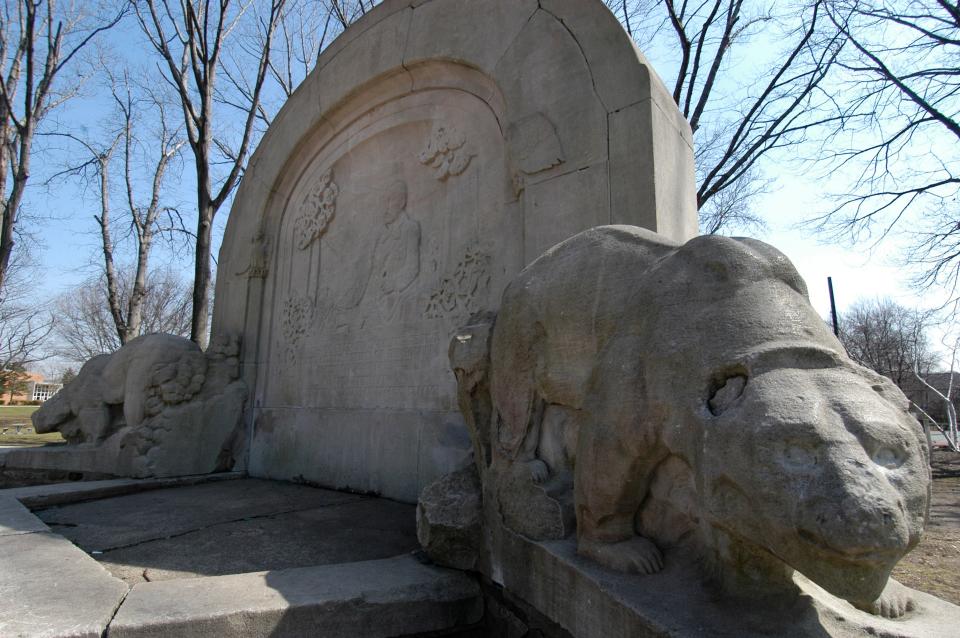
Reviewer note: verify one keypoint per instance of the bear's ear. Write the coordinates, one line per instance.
(724, 394)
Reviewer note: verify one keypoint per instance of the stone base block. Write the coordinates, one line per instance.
(448, 519)
(590, 601)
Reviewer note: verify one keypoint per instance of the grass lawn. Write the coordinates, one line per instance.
(11, 416)
(17, 412)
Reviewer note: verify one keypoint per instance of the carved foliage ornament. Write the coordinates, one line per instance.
(316, 211)
(447, 152)
(458, 293)
(295, 319)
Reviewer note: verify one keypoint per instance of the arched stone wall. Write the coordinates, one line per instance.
(439, 146)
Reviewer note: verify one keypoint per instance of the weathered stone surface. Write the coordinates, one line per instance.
(543, 509)
(17, 519)
(699, 402)
(661, 169)
(51, 588)
(133, 519)
(358, 530)
(41, 496)
(589, 600)
(391, 597)
(470, 360)
(438, 147)
(449, 516)
(233, 527)
(159, 406)
(466, 30)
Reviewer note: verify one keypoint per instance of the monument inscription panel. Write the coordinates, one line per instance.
(381, 257)
(385, 246)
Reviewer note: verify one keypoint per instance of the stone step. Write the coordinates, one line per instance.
(49, 495)
(391, 597)
(49, 587)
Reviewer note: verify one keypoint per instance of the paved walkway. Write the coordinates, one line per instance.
(228, 557)
(233, 527)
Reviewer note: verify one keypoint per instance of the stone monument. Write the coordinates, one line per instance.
(437, 149)
(644, 433)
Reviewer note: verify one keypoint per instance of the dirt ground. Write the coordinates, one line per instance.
(934, 566)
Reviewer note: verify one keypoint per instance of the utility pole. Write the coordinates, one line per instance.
(833, 308)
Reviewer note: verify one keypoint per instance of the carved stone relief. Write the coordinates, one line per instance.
(459, 292)
(344, 334)
(535, 144)
(295, 321)
(396, 257)
(447, 152)
(535, 147)
(316, 211)
(259, 256)
(389, 267)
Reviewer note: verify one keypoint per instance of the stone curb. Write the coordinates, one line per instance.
(41, 496)
(52, 588)
(379, 598)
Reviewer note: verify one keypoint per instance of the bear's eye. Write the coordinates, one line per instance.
(888, 457)
(723, 396)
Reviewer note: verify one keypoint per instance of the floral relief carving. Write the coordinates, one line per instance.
(296, 317)
(447, 152)
(459, 292)
(316, 211)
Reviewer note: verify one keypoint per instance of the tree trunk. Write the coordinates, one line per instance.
(12, 205)
(201, 273)
(6, 241)
(139, 289)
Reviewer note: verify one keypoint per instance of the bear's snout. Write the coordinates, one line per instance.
(866, 523)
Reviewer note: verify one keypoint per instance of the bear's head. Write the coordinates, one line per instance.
(796, 452)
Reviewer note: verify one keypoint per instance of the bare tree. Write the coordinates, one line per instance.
(347, 12)
(24, 324)
(85, 327)
(305, 29)
(900, 108)
(739, 115)
(190, 37)
(24, 329)
(888, 338)
(130, 135)
(731, 208)
(947, 425)
(39, 39)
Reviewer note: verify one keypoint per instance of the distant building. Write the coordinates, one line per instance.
(928, 401)
(40, 391)
(33, 389)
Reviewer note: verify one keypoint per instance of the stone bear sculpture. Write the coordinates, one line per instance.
(111, 390)
(695, 398)
(158, 406)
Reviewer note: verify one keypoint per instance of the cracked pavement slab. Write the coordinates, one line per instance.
(233, 527)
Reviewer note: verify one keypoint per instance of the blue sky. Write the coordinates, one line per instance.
(69, 244)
